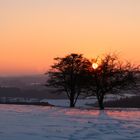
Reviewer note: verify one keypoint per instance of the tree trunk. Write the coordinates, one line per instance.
(72, 94)
(100, 103)
(72, 105)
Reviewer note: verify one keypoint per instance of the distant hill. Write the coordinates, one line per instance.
(128, 102)
(23, 82)
(131, 102)
(31, 93)
(27, 86)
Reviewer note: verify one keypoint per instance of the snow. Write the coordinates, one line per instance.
(65, 103)
(59, 123)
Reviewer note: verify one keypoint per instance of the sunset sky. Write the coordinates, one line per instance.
(33, 32)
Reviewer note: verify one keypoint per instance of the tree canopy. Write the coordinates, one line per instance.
(111, 76)
(69, 74)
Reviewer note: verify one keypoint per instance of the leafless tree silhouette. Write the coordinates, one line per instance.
(68, 74)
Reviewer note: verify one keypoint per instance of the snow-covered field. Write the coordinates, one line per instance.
(65, 103)
(59, 123)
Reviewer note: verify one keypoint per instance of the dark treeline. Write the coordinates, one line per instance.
(13, 92)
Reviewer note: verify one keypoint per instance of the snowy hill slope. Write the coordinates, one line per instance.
(53, 123)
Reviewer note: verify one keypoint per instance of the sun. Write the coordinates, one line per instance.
(95, 65)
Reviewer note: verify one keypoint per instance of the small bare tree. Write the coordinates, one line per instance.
(68, 74)
(111, 76)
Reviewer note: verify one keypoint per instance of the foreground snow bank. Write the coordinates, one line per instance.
(55, 123)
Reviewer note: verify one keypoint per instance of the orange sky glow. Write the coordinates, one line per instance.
(33, 32)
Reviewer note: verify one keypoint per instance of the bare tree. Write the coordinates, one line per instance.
(68, 74)
(110, 76)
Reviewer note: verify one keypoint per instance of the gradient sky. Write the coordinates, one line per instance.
(33, 32)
